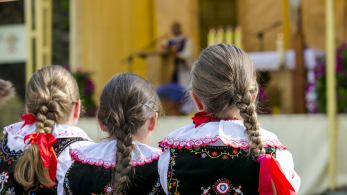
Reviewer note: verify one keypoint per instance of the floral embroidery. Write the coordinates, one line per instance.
(273, 151)
(108, 189)
(173, 183)
(67, 188)
(238, 191)
(222, 186)
(155, 188)
(217, 151)
(7, 155)
(205, 191)
(63, 143)
(3, 179)
(10, 191)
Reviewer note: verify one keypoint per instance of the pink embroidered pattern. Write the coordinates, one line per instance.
(235, 143)
(77, 155)
(71, 133)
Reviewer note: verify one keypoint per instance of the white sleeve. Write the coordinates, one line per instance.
(64, 163)
(163, 165)
(286, 162)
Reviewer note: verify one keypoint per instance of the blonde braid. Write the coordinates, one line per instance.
(51, 94)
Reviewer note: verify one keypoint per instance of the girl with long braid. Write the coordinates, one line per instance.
(34, 154)
(223, 152)
(128, 112)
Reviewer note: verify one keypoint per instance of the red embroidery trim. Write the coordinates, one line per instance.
(77, 155)
(235, 143)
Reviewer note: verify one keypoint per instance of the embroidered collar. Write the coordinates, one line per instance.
(205, 117)
(102, 154)
(17, 131)
(231, 133)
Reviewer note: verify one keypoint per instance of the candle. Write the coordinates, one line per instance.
(229, 36)
(220, 36)
(238, 37)
(211, 36)
(280, 49)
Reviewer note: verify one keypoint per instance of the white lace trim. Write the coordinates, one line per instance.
(59, 130)
(16, 134)
(231, 133)
(102, 154)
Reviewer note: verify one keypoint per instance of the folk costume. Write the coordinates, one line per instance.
(212, 157)
(93, 165)
(54, 149)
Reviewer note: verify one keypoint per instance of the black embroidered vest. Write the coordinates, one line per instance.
(97, 180)
(8, 159)
(213, 170)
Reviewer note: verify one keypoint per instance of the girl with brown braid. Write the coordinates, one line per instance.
(128, 112)
(34, 154)
(218, 154)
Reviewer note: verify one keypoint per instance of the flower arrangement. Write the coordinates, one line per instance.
(86, 89)
(316, 99)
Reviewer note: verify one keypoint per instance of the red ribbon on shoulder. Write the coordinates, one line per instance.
(28, 119)
(205, 117)
(271, 174)
(45, 143)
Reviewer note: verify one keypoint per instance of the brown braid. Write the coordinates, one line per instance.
(51, 94)
(224, 79)
(126, 103)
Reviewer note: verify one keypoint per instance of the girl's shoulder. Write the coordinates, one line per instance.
(103, 154)
(15, 134)
(231, 132)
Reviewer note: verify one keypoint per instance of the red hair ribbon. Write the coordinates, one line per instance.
(205, 117)
(45, 143)
(28, 119)
(271, 174)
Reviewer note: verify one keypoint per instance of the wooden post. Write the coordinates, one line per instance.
(30, 35)
(331, 88)
(299, 74)
(286, 24)
(41, 35)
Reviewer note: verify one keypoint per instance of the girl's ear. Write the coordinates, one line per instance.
(103, 128)
(77, 109)
(153, 122)
(254, 96)
(197, 102)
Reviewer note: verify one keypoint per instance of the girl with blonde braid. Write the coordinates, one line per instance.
(34, 153)
(128, 112)
(223, 152)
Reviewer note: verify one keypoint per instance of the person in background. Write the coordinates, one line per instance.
(128, 112)
(181, 46)
(6, 91)
(34, 153)
(223, 152)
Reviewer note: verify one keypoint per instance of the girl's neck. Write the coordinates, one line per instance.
(232, 113)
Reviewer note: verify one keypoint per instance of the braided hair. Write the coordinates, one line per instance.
(6, 90)
(224, 78)
(50, 96)
(126, 103)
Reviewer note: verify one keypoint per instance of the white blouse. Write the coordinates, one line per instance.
(15, 136)
(223, 133)
(103, 154)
